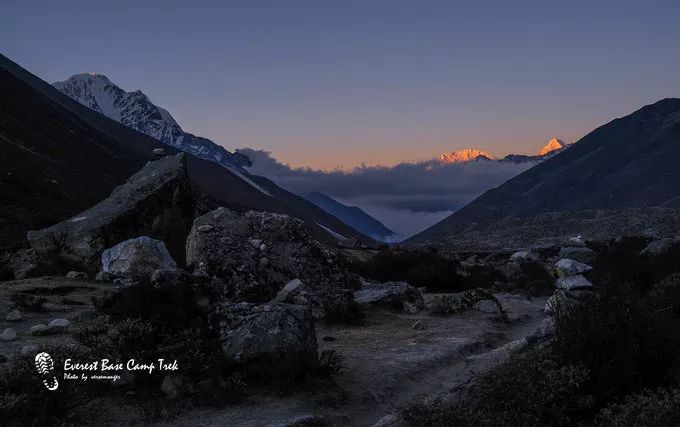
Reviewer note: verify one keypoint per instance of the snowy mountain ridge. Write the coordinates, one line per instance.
(135, 110)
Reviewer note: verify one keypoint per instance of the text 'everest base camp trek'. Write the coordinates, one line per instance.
(161, 281)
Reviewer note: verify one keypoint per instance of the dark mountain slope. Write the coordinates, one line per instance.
(351, 215)
(629, 162)
(58, 157)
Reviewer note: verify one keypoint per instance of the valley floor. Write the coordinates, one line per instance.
(387, 363)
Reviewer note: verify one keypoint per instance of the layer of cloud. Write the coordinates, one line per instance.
(407, 197)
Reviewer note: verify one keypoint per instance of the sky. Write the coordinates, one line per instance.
(336, 84)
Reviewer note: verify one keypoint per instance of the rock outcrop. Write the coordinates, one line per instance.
(252, 256)
(156, 201)
(399, 295)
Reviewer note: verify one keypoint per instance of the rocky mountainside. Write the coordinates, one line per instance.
(59, 157)
(351, 215)
(135, 110)
(630, 162)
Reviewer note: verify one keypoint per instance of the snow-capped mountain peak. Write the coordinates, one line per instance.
(464, 155)
(135, 110)
(552, 145)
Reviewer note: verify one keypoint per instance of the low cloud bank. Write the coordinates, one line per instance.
(407, 197)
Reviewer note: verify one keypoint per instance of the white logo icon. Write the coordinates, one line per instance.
(45, 366)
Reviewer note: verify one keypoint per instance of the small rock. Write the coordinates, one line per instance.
(256, 243)
(8, 334)
(577, 241)
(291, 289)
(29, 349)
(569, 267)
(14, 316)
(160, 152)
(264, 262)
(544, 331)
(76, 275)
(39, 329)
(419, 325)
(300, 300)
(411, 308)
(205, 228)
(58, 326)
(573, 282)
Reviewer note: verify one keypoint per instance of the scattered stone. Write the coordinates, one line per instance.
(274, 339)
(289, 291)
(389, 294)
(301, 421)
(58, 326)
(8, 334)
(661, 246)
(14, 316)
(39, 329)
(29, 349)
(569, 267)
(566, 299)
(456, 303)
(524, 256)
(580, 254)
(419, 325)
(156, 201)
(160, 152)
(76, 275)
(137, 258)
(573, 282)
(300, 300)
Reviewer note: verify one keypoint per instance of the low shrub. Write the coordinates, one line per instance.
(660, 407)
(419, 268)
(530, 389)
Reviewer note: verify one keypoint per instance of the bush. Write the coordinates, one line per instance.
(625, 340)
(418, 268)
(531, 388)
(24, 400)
(648, 408)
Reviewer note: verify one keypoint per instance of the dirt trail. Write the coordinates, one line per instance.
(387, 364)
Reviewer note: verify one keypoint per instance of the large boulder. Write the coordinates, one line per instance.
(25, 263)
(389, 294)
(252, 256)
(525, 256)
(270, 340)
(156, 201)
(137, 258)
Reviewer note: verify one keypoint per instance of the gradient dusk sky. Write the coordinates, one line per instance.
(337, 83)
